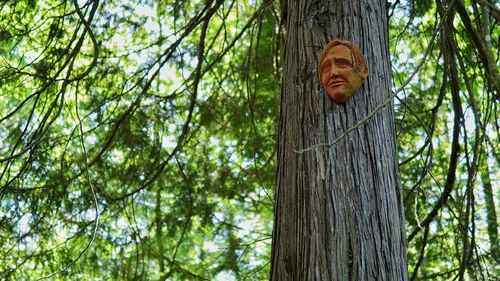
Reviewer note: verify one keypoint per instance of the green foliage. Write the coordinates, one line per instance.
(181, 183)
(456, 245)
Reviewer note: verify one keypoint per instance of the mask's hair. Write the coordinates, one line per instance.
(357, 56)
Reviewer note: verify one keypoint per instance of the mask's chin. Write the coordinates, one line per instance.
(339, 95)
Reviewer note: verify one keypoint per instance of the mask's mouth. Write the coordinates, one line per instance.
(336, 83)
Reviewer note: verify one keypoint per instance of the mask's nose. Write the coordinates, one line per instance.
(334, 71)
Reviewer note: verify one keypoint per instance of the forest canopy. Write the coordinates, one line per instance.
(138, 137)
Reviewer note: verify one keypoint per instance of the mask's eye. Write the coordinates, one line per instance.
(343, 63)
(326, 66)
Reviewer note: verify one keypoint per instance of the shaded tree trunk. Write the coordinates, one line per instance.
(338, 213)
(491, 215)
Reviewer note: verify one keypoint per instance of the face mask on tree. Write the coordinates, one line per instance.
(341, 70)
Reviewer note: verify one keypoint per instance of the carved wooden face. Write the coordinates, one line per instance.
(338, 75)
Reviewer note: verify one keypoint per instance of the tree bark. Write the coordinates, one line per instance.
(338, 212)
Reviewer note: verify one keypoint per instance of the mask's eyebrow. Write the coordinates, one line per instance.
(342, 60)
(323, 63)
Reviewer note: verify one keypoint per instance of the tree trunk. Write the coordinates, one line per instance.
(338, 213)
(491, 215)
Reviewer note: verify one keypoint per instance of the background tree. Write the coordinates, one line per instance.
(339, 213)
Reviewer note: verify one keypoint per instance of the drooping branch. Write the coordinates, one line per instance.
(455, 146)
